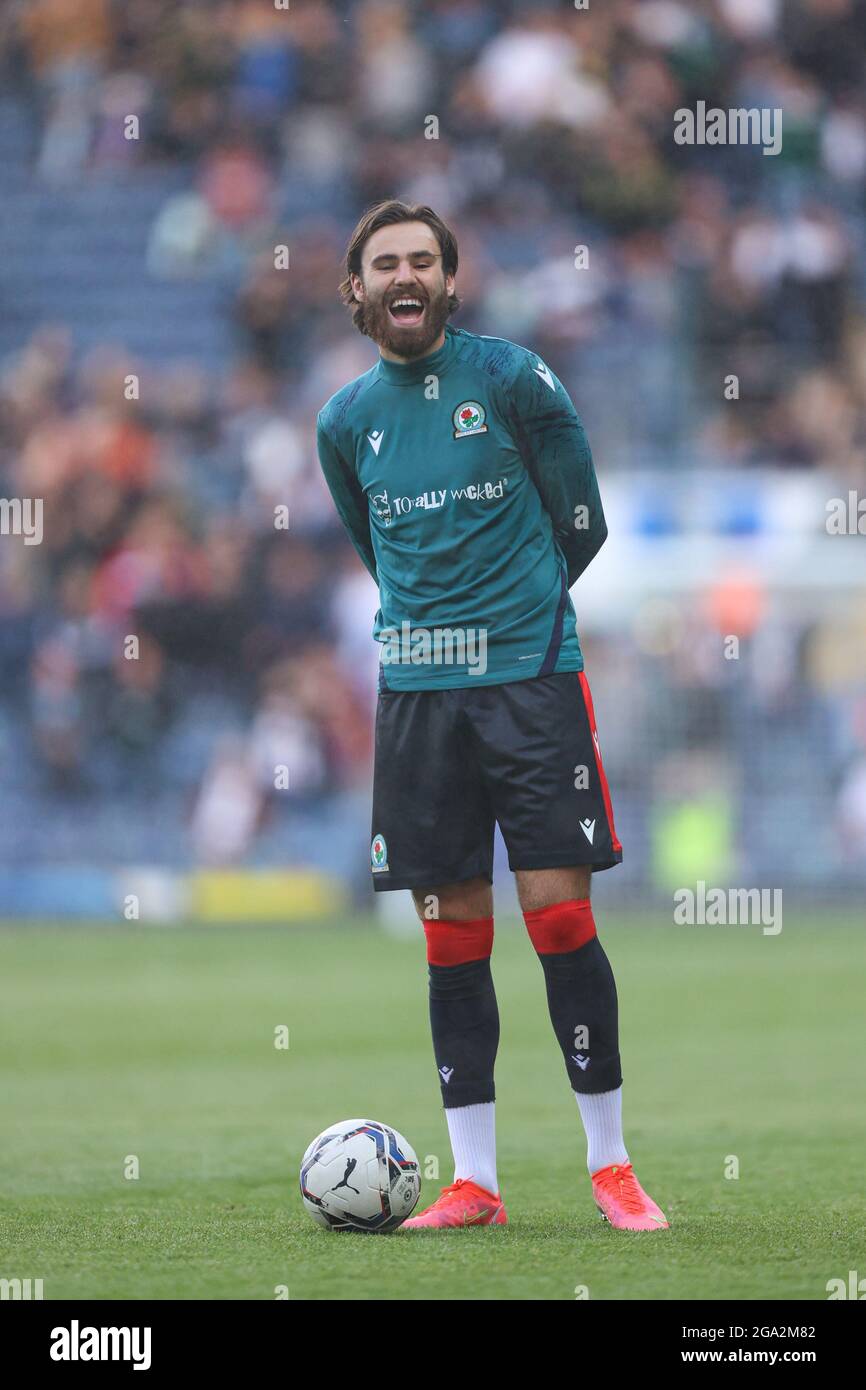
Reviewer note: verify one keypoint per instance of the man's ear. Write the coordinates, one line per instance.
(449, 284)
(358, 287)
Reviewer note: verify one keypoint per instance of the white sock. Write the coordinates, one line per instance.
(602, 1120)
(472, 1131)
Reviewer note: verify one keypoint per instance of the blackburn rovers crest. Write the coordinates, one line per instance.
(468, 419)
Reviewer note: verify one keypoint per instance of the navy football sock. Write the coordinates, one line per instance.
(581, 993)
(464, 1016)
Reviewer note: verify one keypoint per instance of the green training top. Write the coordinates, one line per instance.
(466, 483)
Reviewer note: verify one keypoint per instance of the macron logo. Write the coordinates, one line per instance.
(588, 828)
(544, 373)
(375, 439)
(582, 1062)
(446, 1073)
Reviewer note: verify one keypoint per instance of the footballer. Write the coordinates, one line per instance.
(463, 476)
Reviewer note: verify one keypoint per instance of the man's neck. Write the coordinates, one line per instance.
(428, 352)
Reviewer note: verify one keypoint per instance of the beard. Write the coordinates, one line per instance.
(406, 340)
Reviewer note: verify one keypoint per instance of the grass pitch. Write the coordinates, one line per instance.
(158, 1044)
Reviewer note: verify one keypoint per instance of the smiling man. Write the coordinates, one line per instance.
(464, 478)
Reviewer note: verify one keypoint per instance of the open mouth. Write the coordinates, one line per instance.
(408, 310)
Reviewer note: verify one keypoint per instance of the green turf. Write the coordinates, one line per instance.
(159, 1043)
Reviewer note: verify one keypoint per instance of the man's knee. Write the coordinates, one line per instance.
(455, 902)
(538, 888)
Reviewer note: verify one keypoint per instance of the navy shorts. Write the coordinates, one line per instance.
(450, 764)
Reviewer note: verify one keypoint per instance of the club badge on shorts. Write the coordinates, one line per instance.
(379, 855)
(468, 419)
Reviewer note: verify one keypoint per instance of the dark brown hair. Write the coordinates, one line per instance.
(385, 214)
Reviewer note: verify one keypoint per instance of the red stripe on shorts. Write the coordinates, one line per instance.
(605, 789)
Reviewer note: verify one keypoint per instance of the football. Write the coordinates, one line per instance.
(360, 1175)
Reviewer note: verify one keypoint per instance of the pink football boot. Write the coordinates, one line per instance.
(462, 1203)
(623, 1202)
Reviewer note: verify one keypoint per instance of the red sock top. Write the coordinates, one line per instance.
(455, 943)
(561, 927)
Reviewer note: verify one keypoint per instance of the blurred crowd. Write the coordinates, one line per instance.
(532, 127)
